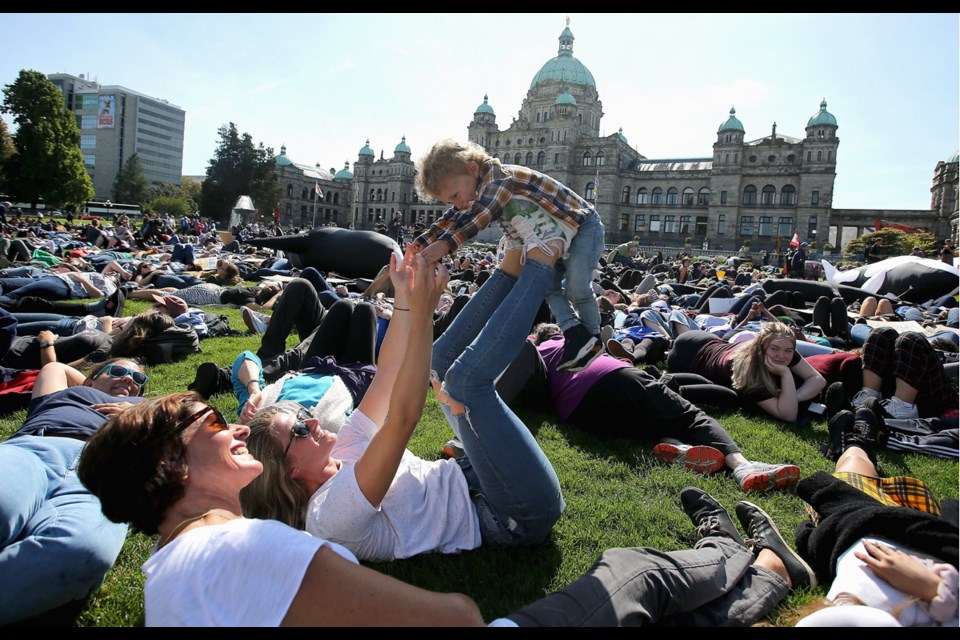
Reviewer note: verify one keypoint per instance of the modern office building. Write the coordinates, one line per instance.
(116, 122)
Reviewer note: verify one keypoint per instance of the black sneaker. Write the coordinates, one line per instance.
(210, 381)
(836, 399)
(763, 534)
(864, 433)
(708, 515)
(114, 303)
(579, 349)
(875, 405)
(839, 424)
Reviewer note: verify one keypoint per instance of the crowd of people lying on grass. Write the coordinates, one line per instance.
(313, 474)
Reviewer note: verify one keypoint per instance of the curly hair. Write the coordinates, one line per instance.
(750, 374)
(136, 463)
(445, 159)
(273, 495)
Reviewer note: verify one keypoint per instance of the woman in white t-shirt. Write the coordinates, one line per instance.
(362, 488)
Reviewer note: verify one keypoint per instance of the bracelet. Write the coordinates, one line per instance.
(400, 309)
(46, 343)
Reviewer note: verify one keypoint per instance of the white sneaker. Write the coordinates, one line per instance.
(87, 323)
(897, 408)
(861, 396)
(537, 228)
(256, 322)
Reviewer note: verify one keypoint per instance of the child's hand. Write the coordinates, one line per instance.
(435, 251)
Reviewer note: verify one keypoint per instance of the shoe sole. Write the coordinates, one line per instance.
(811, 576)
(782, 478)
(449, 452)
(618, 351)
(699, 458)
(248, 319)
(587, 354)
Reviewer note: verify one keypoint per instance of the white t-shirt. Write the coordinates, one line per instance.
(219, 576)
(854, 577)
(426, 509)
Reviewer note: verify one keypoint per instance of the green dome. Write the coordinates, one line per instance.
(823, 117)
(366, 150)
(485, 108)
(955, 157)
(282, 160)
(564, 68)
(344, 174)
(732, 124)
(565, 97)
(402, 147)
(622, 137)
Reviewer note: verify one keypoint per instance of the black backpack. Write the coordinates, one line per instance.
(175, 343)
(218, 325)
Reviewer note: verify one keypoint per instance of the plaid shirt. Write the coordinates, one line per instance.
(496, 185)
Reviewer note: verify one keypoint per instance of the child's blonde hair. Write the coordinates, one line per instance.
(750, 374)
(447, 158)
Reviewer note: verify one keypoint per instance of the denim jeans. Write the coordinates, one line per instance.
(513, 485)
(56, 545)
(177, 281)
(570, 295)
(31, 324)
(49, 287)
(652, 316)
(183, 253)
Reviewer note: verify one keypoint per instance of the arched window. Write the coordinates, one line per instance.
(496, 156)
(517, 159)
(819, 156)
(588, 192)
(538, 116)
(380, 195)
(626, 195)
(687, 197)
(336, 198)
(769, 195)
(642, 195)
(750, 195)
(542, 158)
(672, 196)
(656, 196)
(788, 195)
(703, 198)
(600, 158)
(373, 194)
(289, 191)
(587, 159)
(529, 158)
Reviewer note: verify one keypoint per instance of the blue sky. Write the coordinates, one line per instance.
(322, 84)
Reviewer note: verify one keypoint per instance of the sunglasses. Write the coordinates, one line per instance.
(299, 428)
(218, 424)
(117, 371)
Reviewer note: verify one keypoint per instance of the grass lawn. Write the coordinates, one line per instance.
(617, 494)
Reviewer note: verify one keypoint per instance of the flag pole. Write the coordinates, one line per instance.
(315, 197)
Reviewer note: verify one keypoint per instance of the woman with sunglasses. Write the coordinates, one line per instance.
(362, 488)
(55, 543)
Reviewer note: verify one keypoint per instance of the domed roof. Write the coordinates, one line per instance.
(822, 117)
(344, 174)
(402, 147)
(485, 108)
(564, 68)
(565, 97)
(282, 160)
(366, 150)
(955, 157)
(622, 137)
(732, 124)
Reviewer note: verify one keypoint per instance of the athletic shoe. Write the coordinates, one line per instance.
(697, 458)
(708, 515)
(839, 424)
(760, 476)
(256, 322)
(616, 349)
(579, 349)
(861, 396)
(86, 323)
(763, 534)
(114, 303)
(210, 381)
(897, 408)
(836, 399)
(452, 449)
(537, 228)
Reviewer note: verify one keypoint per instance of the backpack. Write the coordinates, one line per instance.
(218, 325)
(175, 343)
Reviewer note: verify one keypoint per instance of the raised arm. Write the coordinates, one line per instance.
(378, 464)
(56, 376)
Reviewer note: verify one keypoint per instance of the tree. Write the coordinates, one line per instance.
(6, 151)
(48, 162)
(177, 199)
(130, 186)
(894, 243)
(175, 206)
(237, 168)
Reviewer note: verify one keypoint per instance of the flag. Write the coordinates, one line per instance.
(796, 240)
(317, 190)
(596, 185)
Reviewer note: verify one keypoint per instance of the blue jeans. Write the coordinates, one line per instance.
(514, 487)
(30, 324)
(182, 253)
(49, 287)
(56, 545)
(676, 316)
(177, 281)
(570, 295)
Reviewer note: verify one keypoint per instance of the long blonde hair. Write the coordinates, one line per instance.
(273, 495)
(750, 374)
(445, 159)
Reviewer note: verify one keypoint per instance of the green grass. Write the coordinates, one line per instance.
(617, 494)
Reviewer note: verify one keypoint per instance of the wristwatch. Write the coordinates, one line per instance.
(46, 343)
